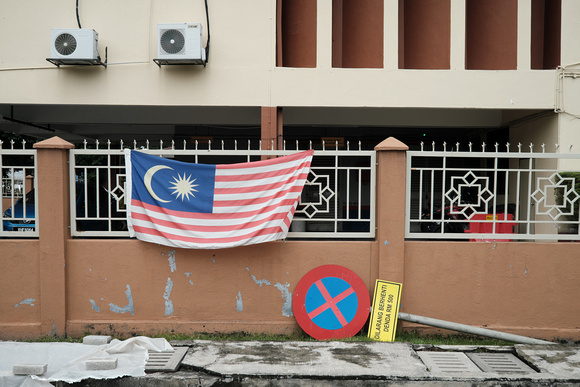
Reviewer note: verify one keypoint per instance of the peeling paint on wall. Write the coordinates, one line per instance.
(286, 294)
(28, 301)
(127, 308)
(287, 297)
(261, 282)
(168, 302)
(257, 281)
(171, 260)
(239, 302)
(53, 331)
(95, 306)
(187, 275)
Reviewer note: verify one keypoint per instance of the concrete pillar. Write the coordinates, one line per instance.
(391, 35)
(53, 220)
(524, 34)
(457, 35)
(324, 34)
(272, 132)
(570, 29)
(390, 221)
(569, 94)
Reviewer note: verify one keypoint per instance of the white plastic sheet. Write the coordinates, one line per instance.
(67, 361)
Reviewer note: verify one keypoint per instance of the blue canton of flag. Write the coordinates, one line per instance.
(171, 184)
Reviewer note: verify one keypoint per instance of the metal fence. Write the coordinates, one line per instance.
(19, 204)
(338, 200)
(492, 195)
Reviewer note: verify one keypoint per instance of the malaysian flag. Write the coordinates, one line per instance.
(203, 206)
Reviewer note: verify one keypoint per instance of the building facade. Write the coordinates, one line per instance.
(448, 74)
(420, 70)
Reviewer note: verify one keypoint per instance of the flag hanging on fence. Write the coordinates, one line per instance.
(203, 206)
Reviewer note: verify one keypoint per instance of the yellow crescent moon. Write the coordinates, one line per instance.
(147, 181)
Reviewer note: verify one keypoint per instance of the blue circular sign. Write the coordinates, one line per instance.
(331, 302)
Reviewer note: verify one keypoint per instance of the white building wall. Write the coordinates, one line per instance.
(241, 69)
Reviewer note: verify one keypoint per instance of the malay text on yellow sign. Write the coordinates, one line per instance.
(385, 312)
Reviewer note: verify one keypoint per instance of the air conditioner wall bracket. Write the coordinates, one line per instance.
(80, 62)
(162, 62)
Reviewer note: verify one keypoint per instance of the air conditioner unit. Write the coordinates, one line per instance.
(72, 44)
(180, 42)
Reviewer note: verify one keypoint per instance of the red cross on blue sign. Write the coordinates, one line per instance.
(331, 301)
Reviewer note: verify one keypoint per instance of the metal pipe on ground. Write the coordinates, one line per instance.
(470, 329)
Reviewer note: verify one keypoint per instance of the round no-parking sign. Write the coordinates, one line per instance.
(331, 302)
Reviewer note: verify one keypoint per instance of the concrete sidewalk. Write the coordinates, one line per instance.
(258, 363)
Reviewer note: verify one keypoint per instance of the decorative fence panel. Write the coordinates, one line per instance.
(338, 200)
(19, 204)
(492, 196)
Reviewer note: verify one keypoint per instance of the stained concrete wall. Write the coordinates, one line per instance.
(58, 285)
(141, 287)
(522, 288)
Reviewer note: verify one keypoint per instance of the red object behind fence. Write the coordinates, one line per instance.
(501, 227)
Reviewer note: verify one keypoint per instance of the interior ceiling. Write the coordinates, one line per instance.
(76, 123)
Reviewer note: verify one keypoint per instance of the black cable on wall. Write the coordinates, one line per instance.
(208, 35)
(78, 18)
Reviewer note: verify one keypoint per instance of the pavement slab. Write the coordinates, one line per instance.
(368, 364)
(561, 360)
(305, 359)
(337, 364)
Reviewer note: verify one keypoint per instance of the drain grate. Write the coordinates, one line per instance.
(165, 361)
(500, 363)
(447, 362)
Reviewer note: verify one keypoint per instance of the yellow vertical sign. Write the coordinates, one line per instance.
(385, 312)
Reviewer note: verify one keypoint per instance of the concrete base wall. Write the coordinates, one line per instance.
(128, 287)
(522, 288)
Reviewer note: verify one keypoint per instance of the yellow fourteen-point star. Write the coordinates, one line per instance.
(183, 186)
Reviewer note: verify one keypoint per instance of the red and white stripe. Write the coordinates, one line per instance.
(253, 203)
